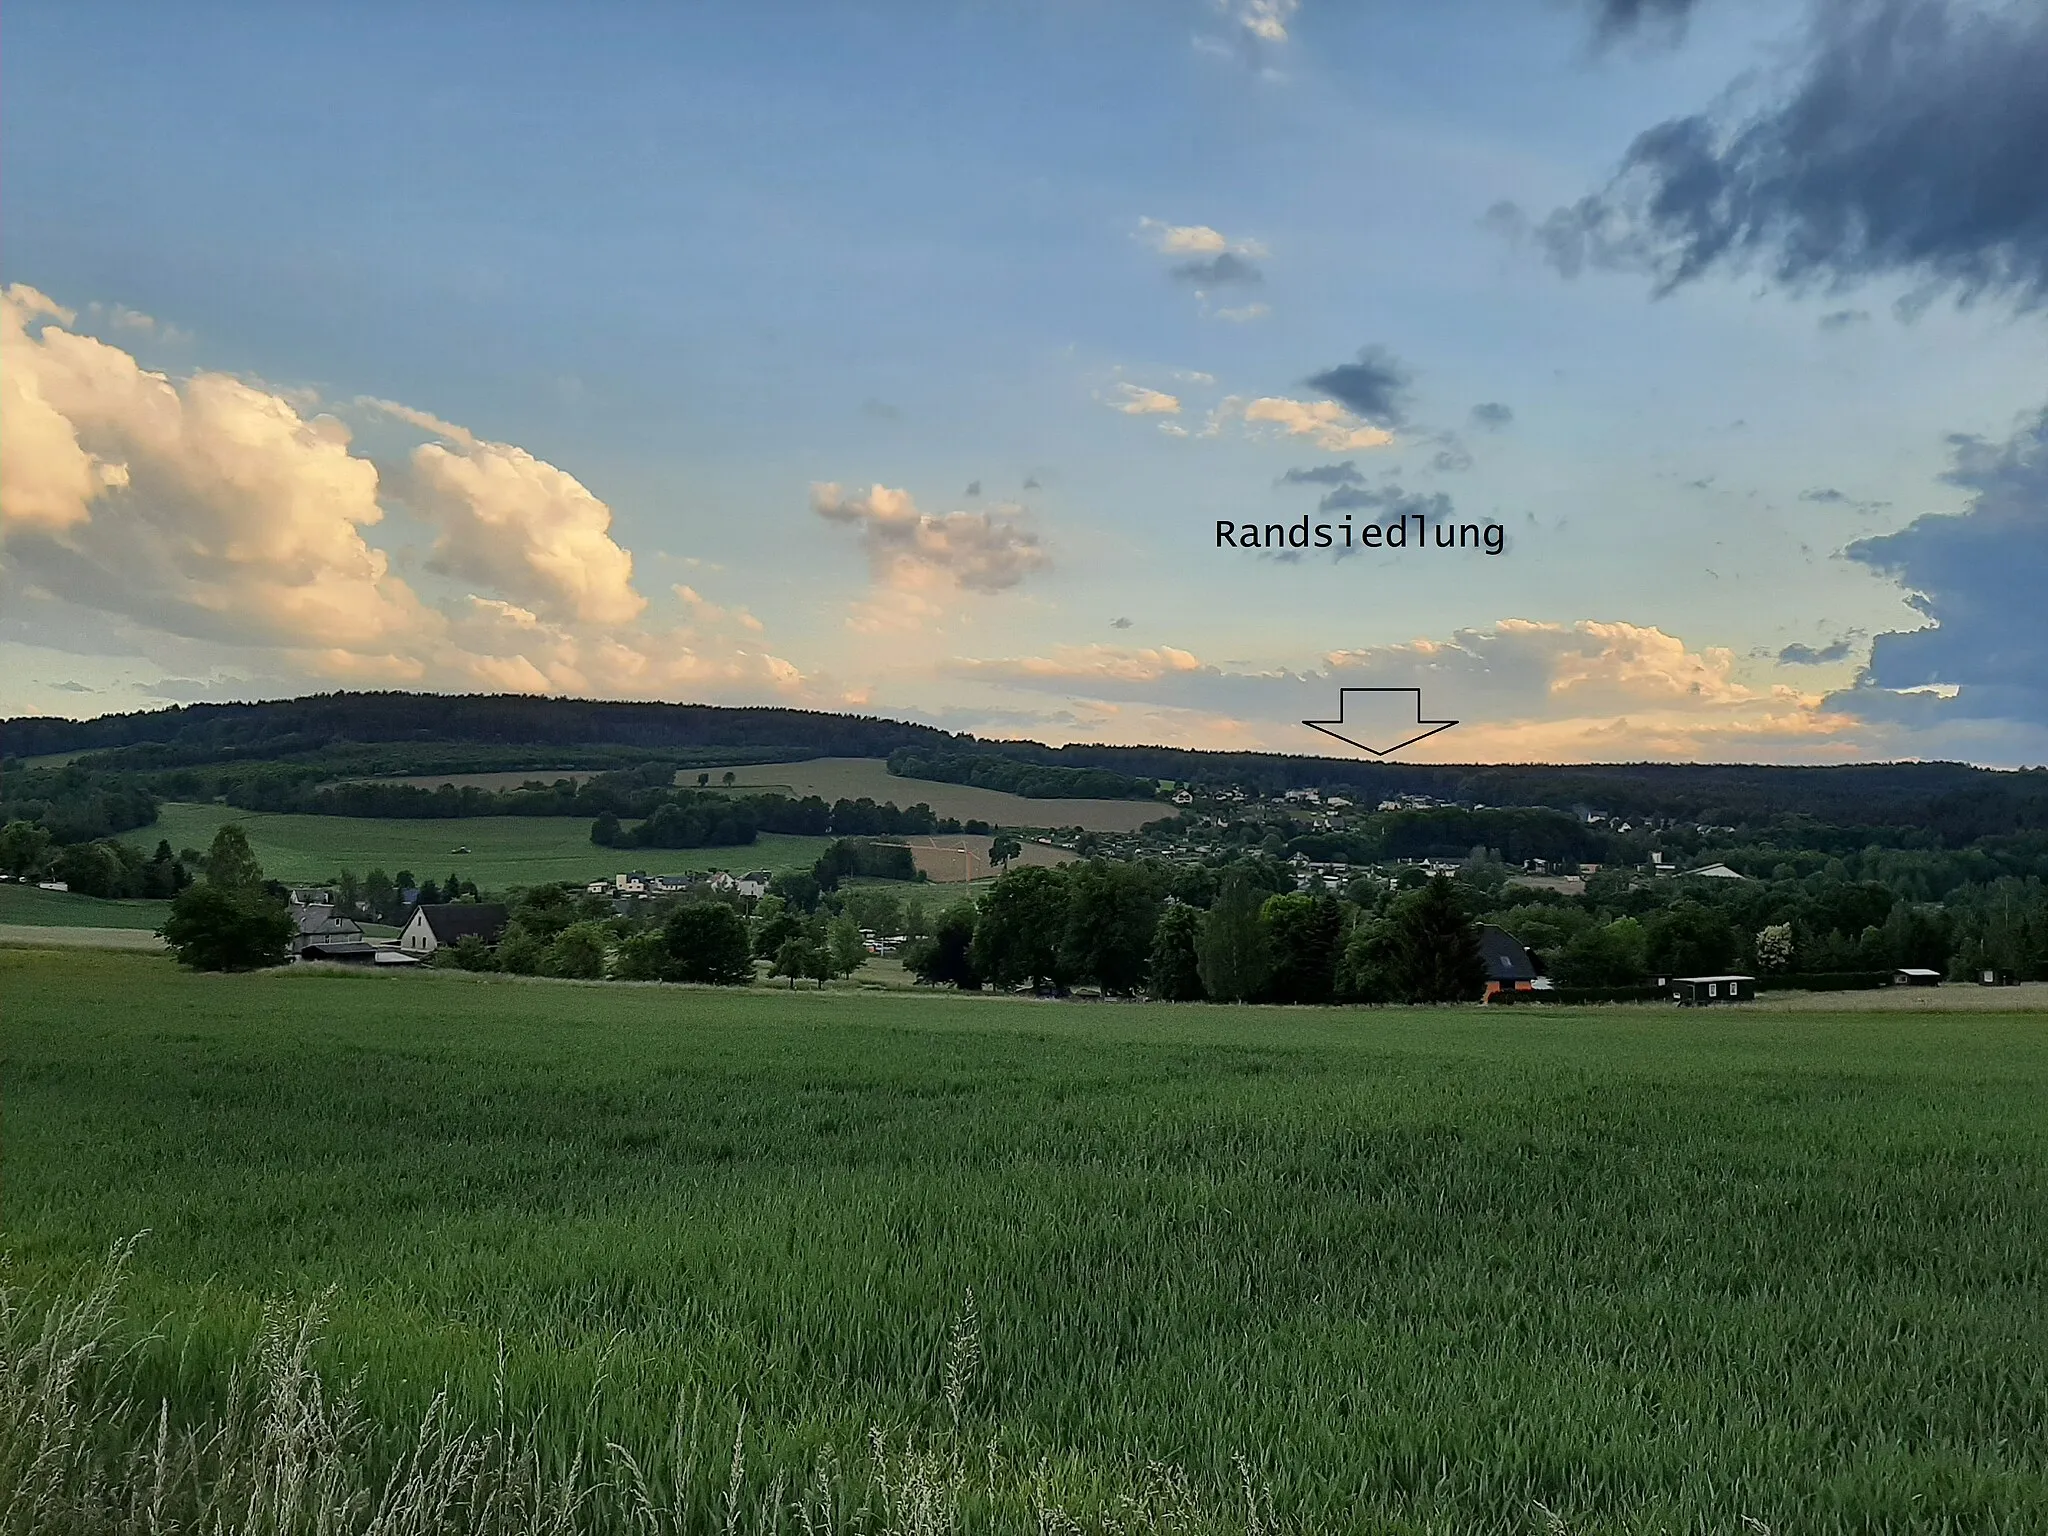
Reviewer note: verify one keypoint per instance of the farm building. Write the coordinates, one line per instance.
(320, 927)
(431, 927)
(1510, 972)
(1697, 991)
(1915, 976)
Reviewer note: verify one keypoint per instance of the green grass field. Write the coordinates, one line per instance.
(1425, 1270)
(64, 909)
(504, 850)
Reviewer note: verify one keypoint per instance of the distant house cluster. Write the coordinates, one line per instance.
(636, 883)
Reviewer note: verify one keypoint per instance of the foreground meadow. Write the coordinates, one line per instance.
(1442, 1270)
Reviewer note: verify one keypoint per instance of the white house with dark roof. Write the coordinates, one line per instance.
(431, 927)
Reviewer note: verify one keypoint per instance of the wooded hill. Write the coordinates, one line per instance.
(410, 732)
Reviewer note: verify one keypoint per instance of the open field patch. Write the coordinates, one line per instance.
(503, 851)
(1431, 1269)
(29, 904)
(34, 936)
(958, 857)
(852, 778)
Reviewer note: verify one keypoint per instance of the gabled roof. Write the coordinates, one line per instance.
(1506, 959)
(450, 921)
(318, 922)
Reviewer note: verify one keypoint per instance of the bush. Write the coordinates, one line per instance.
(578, 953)
(468, 953)
(229, 928)
(707, 942)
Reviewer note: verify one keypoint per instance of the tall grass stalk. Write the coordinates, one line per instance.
(82, 1453)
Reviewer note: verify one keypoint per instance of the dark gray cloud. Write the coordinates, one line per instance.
(1842, 319)
(1825, 494)
(71, 687)
(1907, 143)
(1119, 623)
(1614, 19)
(974, 487)
(1031, 482)
(1325, 474)
(1492, 416)
(1224, 269)
(1809, 656)
(1375, 387)
(1452, 456)
(1390, 500)
(1978, 576)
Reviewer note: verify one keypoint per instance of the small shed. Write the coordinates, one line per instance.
(1915, 976)
(1992, 976)
(1699, 991)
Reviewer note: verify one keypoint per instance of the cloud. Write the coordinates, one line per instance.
(1183, 239)
(974, 488)
(1074, 664)
(1492, 416)
(1390, 500)
(1323, 422)
(1265, 20)
(1218, 271)
(1140, 401)
(1211, 260)
(1613, 19)
(526, 528)
(1452, 456)
(1907, 143)
(1807, 656)
(178, 518)
(910, 550)
(1977, 575)
(1119, 623)
(1375, 387)
(1825, 494)
(1843, 319)
(1524, 690)
(1345, 473)
(1247, 313)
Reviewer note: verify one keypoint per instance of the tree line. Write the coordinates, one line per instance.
(1015, 776)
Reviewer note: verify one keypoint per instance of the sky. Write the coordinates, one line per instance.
(906, 359)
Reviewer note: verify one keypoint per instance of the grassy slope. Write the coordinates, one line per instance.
(852, 777)
(1650, 1269)
(62, 909)
(505, 850)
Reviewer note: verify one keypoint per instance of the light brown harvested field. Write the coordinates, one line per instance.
(833, 778)
(1950, 997)
(961, 857)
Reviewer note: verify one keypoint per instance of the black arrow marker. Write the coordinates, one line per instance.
(1338, 726)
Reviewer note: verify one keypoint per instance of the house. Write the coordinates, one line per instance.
(753, 883)
(431, 927)
(321, 928)
(1915, 976)
(1698, 991)
(1510, 972)
(1713, 872)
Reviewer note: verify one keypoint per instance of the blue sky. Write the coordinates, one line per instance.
(923, 346)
